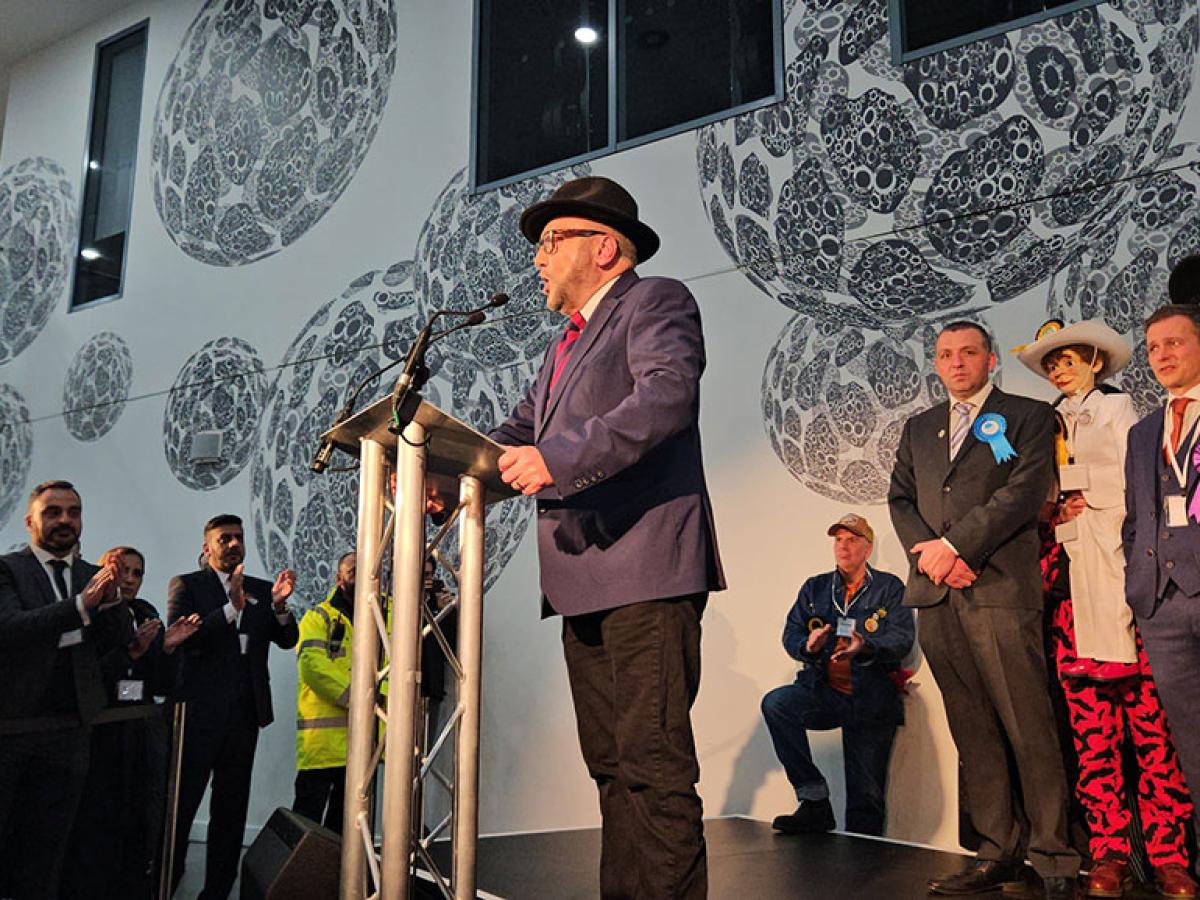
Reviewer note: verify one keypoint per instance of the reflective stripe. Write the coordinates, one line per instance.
(314, 643)
(321, 612)
(329, 722)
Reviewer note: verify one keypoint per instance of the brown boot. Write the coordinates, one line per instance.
(1108, 877)
(1173, 881)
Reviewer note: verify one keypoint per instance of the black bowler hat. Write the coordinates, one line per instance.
(599, 199)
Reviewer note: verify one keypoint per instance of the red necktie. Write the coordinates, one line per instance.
(1178, 408)
(563, 353)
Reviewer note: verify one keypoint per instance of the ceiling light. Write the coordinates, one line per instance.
(89, 253)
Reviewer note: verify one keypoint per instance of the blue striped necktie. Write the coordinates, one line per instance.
(961, 427)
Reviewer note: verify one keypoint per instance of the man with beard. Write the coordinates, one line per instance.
(227, 689)
(53, 628)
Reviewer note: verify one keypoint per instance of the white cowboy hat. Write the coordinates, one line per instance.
(1091, 333)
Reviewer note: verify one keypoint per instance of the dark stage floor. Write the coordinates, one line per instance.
(746, 860)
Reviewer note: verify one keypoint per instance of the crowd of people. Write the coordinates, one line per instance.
(1053, 554)
(1053, 558)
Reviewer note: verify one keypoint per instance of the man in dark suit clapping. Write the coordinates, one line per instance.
(970, 478)
(227, 689)
(53, 629)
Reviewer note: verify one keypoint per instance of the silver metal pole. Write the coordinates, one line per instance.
(167, 857)
(364, 651)
(470, 657)
(404, 683)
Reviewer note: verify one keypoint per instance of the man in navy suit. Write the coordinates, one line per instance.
(227, 687)
(55, 624)
(1161, 535)
(608, 440)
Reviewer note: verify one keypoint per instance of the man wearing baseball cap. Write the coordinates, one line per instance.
(850, 631)
(608, 441)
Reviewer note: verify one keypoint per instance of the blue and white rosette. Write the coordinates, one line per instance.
(990, 428)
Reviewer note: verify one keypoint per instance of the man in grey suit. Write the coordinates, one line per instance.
(970, 478)
(608, 441)
(55, 623)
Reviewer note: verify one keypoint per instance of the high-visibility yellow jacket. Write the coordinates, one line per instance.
(323, 693)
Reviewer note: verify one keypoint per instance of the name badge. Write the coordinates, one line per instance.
(130, 690)
(244, 640)
(1067, 531)
(71, 638)
(845, 627)
(1176, 511)
(1073, 477)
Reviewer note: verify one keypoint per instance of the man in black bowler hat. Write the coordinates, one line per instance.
(608, 441)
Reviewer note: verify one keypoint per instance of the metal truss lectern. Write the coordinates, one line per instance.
(433, 451)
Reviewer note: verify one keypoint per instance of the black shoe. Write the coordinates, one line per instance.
(1058, 887)
(810, 817)
(978, 877)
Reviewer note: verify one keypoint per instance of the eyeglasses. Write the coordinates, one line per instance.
(550, 239)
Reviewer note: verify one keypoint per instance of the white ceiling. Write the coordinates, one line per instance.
(27, 26)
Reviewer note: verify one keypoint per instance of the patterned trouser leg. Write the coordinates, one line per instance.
(1099, 714)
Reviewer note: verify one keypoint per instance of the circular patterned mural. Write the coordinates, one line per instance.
(97, 386)
(16, 449)
(875, 196)
(835, 400)
(469, 249)
(900, 190)
(37, 238)
(264, 117)
(220, 388)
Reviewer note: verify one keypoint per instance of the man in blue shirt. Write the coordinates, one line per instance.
(850, 631)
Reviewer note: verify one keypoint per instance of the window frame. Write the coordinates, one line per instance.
(144, 26)
(614, 145)
(897, 31)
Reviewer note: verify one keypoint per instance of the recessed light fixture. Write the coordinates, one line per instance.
(585, 34)
(89, 253)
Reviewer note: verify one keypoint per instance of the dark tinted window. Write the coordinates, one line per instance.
(552, 85)
(112, 152)
(928, 23)
(684, 60)
(542, 92)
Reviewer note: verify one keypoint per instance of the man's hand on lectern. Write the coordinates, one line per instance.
(524, 469)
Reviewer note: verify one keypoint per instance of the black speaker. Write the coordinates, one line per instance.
(293, 858)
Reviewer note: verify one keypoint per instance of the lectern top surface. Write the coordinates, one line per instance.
(453, 448)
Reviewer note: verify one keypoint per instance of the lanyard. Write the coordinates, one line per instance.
(845, 610)
(1189, 441)
(1072, 425)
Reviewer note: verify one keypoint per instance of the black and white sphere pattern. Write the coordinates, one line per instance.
(97, 386)
(1121, 275)
(300, 519)
(220, 388)
(868, 171)
(469, 249)
(37, 238)
(835, 401)
(264, 117)
(16, 450)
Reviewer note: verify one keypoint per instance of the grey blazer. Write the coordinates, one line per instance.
(628, 518)
(987, 510)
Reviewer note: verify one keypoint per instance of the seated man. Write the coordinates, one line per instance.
(850, 631)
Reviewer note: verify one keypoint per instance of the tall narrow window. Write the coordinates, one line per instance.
(108, 178)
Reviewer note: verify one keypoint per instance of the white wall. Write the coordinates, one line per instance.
(771, 526)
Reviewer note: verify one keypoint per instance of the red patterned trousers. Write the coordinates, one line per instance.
(1099, 713)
